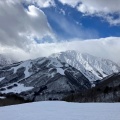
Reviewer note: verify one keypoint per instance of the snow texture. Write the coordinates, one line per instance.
(2, 79)
(46, 76)
(61, 71)
(94, 68)
(1, 97)
(61, 111)
(20, 88)
(27, 65)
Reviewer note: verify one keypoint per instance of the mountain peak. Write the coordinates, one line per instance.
(94, 68)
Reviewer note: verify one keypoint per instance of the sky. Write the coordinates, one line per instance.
(37, 28)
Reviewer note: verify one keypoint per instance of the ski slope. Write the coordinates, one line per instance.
(61, 111)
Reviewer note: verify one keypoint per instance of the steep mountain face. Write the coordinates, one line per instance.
(4, 60)
(93, 68)
(108, 90)
(42, 79)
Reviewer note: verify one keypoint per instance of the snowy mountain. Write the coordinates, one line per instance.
(54, 77)
(42, 79)
(94, 68)
(4, 60)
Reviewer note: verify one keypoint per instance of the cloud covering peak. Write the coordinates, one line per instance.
(108, 48)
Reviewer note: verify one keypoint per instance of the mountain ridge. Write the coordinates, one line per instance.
(42, 79)
(94, 68)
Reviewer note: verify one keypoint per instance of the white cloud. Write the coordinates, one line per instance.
(18, 26)
(112, 20)
(102, 8)
(105, 47)
(73, 3)
(96, 5)
(41, 3)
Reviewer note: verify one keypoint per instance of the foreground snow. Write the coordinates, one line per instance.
(61, 111)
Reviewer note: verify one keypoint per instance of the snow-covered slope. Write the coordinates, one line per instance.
(4, 60)
(92, 67)
(54, 77)
(42, 79)
(61, 111)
